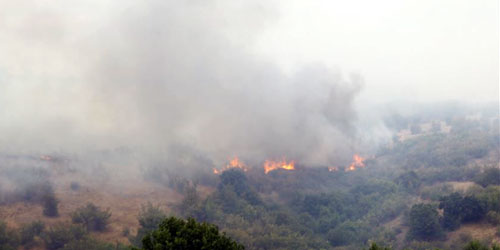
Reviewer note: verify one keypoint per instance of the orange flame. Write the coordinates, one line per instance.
(358, 161)
(46, 157)
(273, 165)
(233, 163)
(333, 169)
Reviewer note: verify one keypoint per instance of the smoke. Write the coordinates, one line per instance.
(163, 75)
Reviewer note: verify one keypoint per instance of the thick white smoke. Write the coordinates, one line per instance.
(158, 74)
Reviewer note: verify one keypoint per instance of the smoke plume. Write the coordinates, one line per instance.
(165, 77)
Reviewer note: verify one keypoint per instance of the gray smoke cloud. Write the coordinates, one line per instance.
(163, 75)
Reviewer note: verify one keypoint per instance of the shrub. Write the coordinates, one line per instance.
(476, 245)
(490, 176)
(374, 246)
(74, 186)
(424, 222)
(9, 239)
(149, 218)
(347, 233)
(92, 217)
(59, 235)
(29, 231)
(87, 243)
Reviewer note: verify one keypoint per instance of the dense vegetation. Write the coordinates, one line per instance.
(406, 197)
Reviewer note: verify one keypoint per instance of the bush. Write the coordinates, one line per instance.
(74, 186)
(59, 235)
(29, 231)
(347, 233)
(493, 217)
(476, 245)
(374, 246)
(92, 217)
(490, 176)
(87, 243)
(149, 218)
(9, 239)
(424, 222)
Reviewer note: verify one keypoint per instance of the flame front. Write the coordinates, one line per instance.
(273, 165)
(46, 157)
(233, 163)
(333, 169)
(358, 162)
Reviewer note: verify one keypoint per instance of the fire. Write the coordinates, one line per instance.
(233, 163)
(273, 165)
(45, 158)
(333, 169)
(358, 161)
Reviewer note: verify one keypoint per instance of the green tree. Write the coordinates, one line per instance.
(175, 233)
(149, 218)
(490, 176)
(424, 222)
(50, 203)
(452, 207)
(92, 217)
(409, 181)
(473, 209)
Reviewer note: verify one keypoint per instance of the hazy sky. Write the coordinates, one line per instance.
(421, 50)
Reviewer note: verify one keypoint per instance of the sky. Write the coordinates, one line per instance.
(408, 50)
(259, 78)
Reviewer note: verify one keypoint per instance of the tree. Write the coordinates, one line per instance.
(424, 222)
(50, 205)
(452, 207)
(409, 181)
(473, 209)
(175, 233)
(149, 218)
(92, 217)
(490, 176)
(235, 180)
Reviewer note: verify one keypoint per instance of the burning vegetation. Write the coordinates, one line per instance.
(358, 162)
(274, 165)
(271, 165)
(233, 163)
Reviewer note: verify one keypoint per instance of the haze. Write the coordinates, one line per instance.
(260, 79)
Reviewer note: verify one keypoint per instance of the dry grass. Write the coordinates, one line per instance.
(477, 231)
(123, 196)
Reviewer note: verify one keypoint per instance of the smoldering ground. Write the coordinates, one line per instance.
(165, 77)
